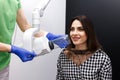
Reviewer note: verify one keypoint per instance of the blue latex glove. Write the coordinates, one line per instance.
(52, 36)
(61, 40)
(23, 54)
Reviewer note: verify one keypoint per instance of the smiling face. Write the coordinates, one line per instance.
(78, 35)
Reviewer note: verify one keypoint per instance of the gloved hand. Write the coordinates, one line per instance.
(61, 40)
(23, 54)
(52, 36)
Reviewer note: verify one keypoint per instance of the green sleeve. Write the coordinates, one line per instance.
(19, 4)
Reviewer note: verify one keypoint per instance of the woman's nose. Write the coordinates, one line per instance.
(75, 31)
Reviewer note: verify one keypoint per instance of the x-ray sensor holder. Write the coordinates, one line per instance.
(30, 42)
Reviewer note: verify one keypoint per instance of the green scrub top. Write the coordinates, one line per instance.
(8, 12)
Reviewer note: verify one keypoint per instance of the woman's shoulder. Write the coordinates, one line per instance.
(100, 53)
(62, 54)
(61, 57)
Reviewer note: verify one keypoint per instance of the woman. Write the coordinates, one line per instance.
(84, 58)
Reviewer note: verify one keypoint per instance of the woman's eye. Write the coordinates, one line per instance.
(80, 29)
(72, 29)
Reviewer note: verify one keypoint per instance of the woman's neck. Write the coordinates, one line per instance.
(81, 47)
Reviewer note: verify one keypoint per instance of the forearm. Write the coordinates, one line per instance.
(5, 47)
(23, 54)
(22, 21)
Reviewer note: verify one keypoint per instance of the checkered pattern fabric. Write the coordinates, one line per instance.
(96, 67)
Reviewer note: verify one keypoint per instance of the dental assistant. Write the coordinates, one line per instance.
(10, 13)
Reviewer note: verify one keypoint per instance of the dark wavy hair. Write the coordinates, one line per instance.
(92, 41)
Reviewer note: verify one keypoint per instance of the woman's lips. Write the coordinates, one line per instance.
(75, 38)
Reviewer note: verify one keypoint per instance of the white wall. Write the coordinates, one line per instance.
(43, 67)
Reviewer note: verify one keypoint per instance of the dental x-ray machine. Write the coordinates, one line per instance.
(44, 44)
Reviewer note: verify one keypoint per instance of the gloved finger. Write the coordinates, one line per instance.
(25, 59)
(62, 42)
(52, 36)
